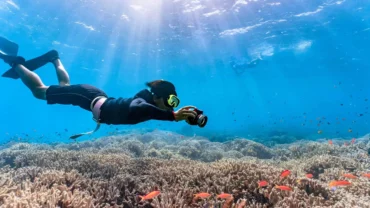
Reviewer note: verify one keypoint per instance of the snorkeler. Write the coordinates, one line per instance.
(157, 103)
(240, 68)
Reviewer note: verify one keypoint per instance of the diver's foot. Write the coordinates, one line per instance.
(51, 55)
(12, 60)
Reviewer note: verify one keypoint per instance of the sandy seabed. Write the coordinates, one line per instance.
(114, 171)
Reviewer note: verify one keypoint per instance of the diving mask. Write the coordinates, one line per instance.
(173, 101)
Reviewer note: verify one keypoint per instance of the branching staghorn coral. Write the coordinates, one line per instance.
(249, 148)
(142, 175)
(100, 174)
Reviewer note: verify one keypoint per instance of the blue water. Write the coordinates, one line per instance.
(314, 74)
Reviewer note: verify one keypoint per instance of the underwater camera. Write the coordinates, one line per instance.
(200, 119)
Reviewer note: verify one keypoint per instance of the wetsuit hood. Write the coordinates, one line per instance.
(146, 95)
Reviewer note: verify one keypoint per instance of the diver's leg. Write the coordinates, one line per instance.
(29, 78)
(62, 73)
(31, 64)
(40, 61)
(32, 81)
(53, 57)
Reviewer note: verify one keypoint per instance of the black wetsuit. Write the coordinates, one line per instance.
(114, 110)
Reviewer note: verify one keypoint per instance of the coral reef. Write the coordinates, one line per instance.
(250, 148)
(115, 171)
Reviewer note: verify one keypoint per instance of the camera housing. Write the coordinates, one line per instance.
(200, 119)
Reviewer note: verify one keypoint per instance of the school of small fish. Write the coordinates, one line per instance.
(285, 173)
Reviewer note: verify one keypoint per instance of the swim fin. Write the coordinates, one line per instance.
(8, 47)
(34, 63)
(86, 133)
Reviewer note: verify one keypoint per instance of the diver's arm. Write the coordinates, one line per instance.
(141, 110)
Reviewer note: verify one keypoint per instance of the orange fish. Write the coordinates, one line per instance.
(224, 196)
(330, 142)
(285, 173)
(309, 175)
(284, 188)
(151, 195)
(339, 183)
(202, 195)
(367, 175)
(345, 144)
(349, 175)
(353, 140)
(263, 183)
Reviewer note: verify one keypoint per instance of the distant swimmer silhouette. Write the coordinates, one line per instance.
(240, 67)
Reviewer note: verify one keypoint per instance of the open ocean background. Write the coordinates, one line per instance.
(314, 76)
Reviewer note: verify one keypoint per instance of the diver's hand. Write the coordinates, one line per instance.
(184, 113)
